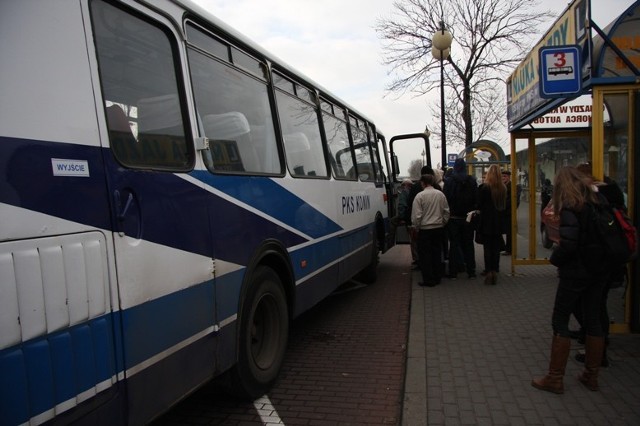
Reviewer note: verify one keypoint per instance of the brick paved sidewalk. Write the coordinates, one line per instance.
(473, 350)
(356, 374)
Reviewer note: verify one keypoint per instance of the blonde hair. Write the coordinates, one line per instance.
(498, 189)
(572, 189)
(438, 175)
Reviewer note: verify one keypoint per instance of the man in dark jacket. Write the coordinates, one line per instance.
(461, 192)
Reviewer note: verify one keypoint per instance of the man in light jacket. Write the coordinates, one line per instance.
(429, 215)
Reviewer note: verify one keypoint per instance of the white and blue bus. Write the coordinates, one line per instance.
(171, 196)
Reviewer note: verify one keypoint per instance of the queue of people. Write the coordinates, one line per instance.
(438, 215)
(440, 231)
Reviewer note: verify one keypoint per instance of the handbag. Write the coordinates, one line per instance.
(473, 219)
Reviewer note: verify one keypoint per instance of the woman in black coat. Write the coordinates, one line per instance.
(613, 195)
(573, 192)
(492, 203)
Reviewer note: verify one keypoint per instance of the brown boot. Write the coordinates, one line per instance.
(494, 278)
(593, 351)
(552, 382)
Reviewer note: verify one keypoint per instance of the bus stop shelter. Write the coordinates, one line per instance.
(576, 98)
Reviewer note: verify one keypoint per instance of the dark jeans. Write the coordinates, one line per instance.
(589, 294)
(492, 246)
(604, 312)
(430, 255)
(461, 250)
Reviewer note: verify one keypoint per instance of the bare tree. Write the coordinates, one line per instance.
(490, 37)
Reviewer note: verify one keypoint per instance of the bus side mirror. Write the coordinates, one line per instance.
(396, 166)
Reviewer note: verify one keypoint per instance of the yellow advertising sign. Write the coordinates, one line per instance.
(523, 85)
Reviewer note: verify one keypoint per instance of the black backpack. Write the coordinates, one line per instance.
(462, 199)
(606, 245)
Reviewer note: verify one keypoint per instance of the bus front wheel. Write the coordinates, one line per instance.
(262, 336)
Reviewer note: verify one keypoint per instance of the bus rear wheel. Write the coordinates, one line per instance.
(263, 333)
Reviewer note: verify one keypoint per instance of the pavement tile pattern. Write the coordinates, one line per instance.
(474, 348)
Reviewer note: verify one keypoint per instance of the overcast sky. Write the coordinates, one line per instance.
(334, 43)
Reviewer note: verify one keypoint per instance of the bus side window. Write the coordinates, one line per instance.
(339, 150)
(363, 155)
(302, 138)
(148, 89)
(236, 116)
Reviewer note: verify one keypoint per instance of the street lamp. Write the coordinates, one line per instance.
(440, 49)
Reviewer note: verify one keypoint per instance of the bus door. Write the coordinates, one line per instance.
(383, 159)
(409, 156)
(162, 234)
(409, 153)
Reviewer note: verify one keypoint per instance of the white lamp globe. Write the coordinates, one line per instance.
(442, 40)
(440, 54)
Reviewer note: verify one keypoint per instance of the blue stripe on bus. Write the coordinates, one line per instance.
(309, 259)
(83, 357)
(28, 181)
(39, 376)
(14, 399)
(228, 288)
(267, 196)
(152, 328)
(104, 361)
(62, 365)
(43, 372)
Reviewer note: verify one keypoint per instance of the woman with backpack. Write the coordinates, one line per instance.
(610, 190)
(575, 196)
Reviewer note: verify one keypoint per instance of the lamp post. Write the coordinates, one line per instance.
(440, 49)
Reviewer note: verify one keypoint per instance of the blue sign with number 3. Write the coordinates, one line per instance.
(560, 71)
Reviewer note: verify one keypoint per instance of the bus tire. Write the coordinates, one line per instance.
(262, 336)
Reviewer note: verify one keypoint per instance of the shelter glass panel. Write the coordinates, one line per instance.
(617, 167)
(524, 232)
